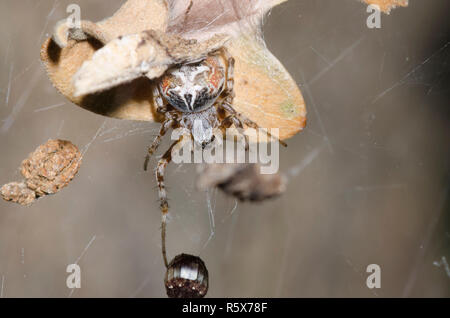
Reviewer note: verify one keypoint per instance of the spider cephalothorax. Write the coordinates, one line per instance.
(198, 97)
(192, 90)
(194, 87)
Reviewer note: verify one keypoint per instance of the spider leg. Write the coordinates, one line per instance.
(235, 117)
(248, 122)
(230, 73)
(164, 205)
(158, 100)
(151, 150)
(229, 121)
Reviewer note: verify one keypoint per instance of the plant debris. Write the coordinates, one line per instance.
(243, 181)
(47, 170)
(387, 5)
(18, 192)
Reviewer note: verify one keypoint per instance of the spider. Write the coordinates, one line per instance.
(196, 96)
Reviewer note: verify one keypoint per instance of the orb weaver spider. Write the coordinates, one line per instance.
(198, 97)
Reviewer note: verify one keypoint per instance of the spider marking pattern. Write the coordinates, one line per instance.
(198, 97)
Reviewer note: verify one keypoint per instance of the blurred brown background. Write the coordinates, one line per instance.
(368, 177)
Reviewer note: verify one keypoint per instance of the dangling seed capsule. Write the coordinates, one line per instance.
(186, 277)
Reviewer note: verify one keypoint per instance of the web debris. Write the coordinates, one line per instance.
(404, 79)
(211, 209)
(443, 263)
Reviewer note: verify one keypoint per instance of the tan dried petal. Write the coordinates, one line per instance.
(243, 181)
(51, 166)
(18, 193)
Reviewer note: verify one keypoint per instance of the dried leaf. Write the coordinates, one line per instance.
(129, 101)
(148, 53)
(264, 90)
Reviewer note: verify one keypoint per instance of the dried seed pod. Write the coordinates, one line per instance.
(243, 181)
(18, 192)
(51, 166)
(46, 171)
(186, 277)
